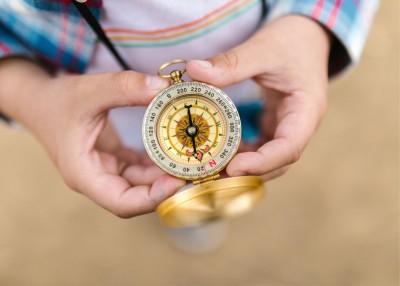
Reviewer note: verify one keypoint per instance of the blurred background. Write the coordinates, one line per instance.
(333, 219)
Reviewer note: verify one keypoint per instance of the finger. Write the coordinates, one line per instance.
(223, 69)
(109, 90)
(246, 147)
(110, 142)
(240, 63)
(115, 194)
(297, 123)
(146, 161)
(130, 156)
(275, 174)
(266, 177)
(142, 175)
(108, 139)
(269, 114)
(97, 176)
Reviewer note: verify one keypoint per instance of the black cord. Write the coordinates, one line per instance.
(264, 10)
(5, 118)
(98, 30)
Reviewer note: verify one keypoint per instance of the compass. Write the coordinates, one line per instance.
(191, 130)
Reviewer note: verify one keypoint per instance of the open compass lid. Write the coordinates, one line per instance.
(211, 200)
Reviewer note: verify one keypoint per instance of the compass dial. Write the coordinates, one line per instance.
(191, 130)
(194, 126)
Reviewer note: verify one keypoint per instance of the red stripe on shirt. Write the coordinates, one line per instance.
(64, 33)
(4, 48)
(78, 41)
(335, 11)
(318, 9)
(173, 28)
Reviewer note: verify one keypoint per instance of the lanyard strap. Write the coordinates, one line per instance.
(264, 11)
(94, 24)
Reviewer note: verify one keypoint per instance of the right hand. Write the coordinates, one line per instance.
(68, 115)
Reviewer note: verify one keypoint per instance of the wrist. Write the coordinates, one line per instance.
(19, 78)
(304, 37)
(301, 28)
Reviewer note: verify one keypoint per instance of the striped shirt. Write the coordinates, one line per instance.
(53, 32)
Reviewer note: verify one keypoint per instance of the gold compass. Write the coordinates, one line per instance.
(192, 130)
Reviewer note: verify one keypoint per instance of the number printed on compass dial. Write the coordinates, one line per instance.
(191, 130)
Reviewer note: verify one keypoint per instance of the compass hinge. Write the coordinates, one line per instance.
(206, 179)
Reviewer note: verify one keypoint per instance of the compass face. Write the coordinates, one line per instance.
(191, 130)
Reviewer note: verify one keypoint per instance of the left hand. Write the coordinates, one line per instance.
(289, 59)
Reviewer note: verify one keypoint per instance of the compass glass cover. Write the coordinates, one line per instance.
(191, 130)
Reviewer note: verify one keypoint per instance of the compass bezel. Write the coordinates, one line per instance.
(151, 125)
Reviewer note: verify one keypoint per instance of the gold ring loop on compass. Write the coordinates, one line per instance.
(170, 63)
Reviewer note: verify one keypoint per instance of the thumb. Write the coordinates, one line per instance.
(225, 68)
(127, 88)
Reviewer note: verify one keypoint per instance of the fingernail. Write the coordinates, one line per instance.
(156, 82)
(203, 64)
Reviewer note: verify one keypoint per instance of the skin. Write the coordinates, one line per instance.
(289, 59)
(68, 114)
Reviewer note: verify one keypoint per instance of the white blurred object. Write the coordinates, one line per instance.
(199, 239)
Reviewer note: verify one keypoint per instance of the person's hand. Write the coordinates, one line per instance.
(68, 115)
(289, 59)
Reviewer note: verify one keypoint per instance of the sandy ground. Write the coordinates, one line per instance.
(332, 220)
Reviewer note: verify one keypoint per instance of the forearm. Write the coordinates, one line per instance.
(19, 78)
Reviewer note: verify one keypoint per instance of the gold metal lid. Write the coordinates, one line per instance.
(212, 200)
